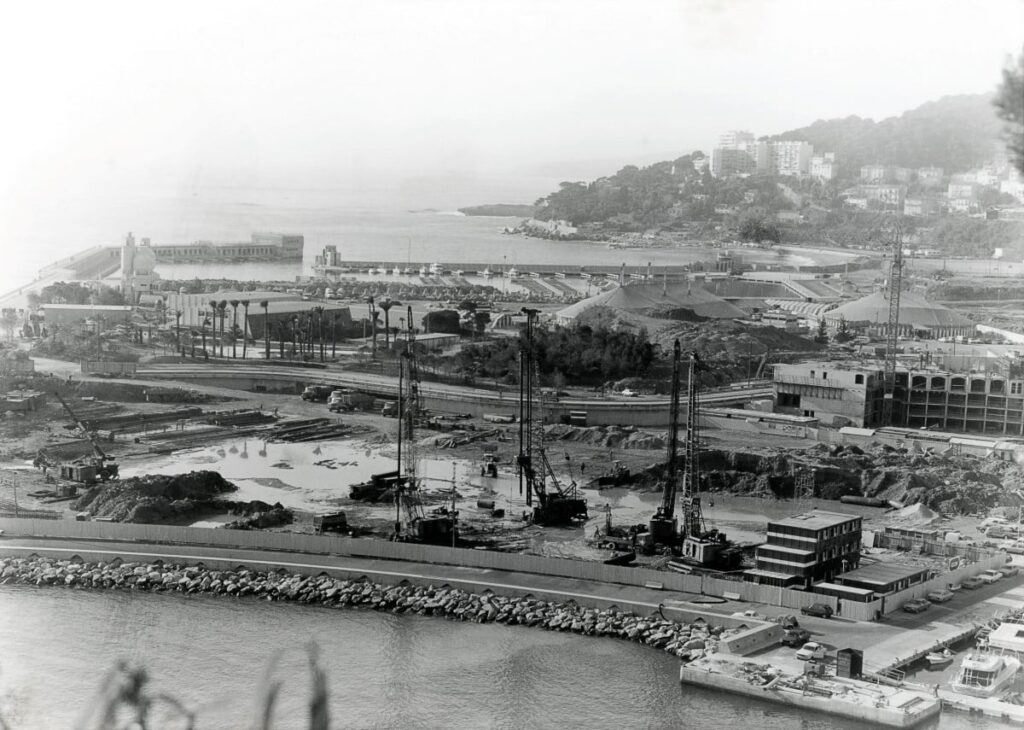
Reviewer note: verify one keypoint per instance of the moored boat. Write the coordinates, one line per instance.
(939, 658)
(985, 675)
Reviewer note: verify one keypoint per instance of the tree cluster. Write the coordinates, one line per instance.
(76, 293)
(580, 355)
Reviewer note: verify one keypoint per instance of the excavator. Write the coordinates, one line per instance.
(100, 467)
(558, 505)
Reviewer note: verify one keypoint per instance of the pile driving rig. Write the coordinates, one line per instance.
(693, 543)
(558, 505)
(412, 524)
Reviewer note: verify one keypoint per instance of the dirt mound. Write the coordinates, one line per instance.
(156, 498)
(615, 437)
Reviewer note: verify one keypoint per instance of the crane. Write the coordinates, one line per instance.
(664, 528)
(411, 521)
(558, 505)
(895, 285)
(104, 465)
(692, 541)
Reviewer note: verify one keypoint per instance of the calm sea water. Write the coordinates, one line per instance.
(384, 671)
(322, 216)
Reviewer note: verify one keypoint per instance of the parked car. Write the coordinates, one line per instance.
(821, 610)
(916, 605)
(940, 596)
(795, 637)
(990, 576)
(972, 583)
(751, 614)
(811, 650)
(629, 393)
(1009, 570)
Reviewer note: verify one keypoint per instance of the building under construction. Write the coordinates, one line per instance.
(852, 394)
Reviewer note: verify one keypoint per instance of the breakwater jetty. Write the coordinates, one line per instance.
(688, 641)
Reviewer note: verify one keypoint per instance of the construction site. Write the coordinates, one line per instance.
(773, 394)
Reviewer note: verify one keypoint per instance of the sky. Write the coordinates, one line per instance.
(426, 99)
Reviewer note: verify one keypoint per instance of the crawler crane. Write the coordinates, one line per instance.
(558, 505)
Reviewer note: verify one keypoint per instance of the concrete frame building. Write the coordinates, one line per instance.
(784, 157)
(262, 247)
(726, 162)
(841, 394)
(808, 548)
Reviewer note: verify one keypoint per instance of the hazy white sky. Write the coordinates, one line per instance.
(106, 96)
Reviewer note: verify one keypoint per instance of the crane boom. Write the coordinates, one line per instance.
(895, 286)
(85, 430)
(663, 526)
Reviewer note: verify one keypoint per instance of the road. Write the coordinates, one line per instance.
(387, 385)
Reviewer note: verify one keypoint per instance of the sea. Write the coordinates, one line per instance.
(217, 656)
(370, 234)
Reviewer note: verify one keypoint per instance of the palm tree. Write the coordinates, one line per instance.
(373, 325)
(386, 305)
(295, 330)
(206, 321)
(234, 326)
(266, 326)
(213, 321)
(222, 306)
(334, 334)
(320, 325)
(177, 328)
(245, 326)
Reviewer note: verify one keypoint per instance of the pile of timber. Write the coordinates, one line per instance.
(311, 429)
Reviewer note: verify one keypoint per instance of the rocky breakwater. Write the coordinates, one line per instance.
(686, 641)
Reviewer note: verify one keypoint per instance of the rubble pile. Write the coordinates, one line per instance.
(687, 641)
(156, 498)
(615, 437)
(951, 484)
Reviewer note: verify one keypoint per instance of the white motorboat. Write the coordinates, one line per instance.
(985, 675)
(939, 658)
(423, 271)
(512, 273)
(396, 271)
(486, 273)
(435, 270)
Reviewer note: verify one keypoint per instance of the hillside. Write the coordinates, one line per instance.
(954, 133)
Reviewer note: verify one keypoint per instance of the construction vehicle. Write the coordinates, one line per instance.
(99, 468)
(616, 475)
(558, 505)
(412, 523)
(692, 542)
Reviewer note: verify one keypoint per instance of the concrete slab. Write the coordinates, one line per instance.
(1007, 602)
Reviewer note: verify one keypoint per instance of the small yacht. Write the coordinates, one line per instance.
(487, 273)
(985, 675)
(939, 658)
(458, 272)
(512, 273)
(423, 271)
(435, 270)
(396, 271)
(407, 271)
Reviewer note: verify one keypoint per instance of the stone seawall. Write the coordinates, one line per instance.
(687, 641)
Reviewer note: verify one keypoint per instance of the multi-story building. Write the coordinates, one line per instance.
(920, 206)
(1014, 188)
(930, 177)
(784, 157)
(823, 167)
(901, 174)
(807, 548)
(841, 393)
(874, 173)
(736, 139)
(262, 247)
(726, 161)
(885, 194)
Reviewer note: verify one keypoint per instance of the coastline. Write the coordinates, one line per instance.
(685, 641)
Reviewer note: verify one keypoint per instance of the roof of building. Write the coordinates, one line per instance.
(852, 590)
(88, 307)
(655, 298)
(915, 310)
(814, 520)
(884, 573)
(289, 306)
(762, 573)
